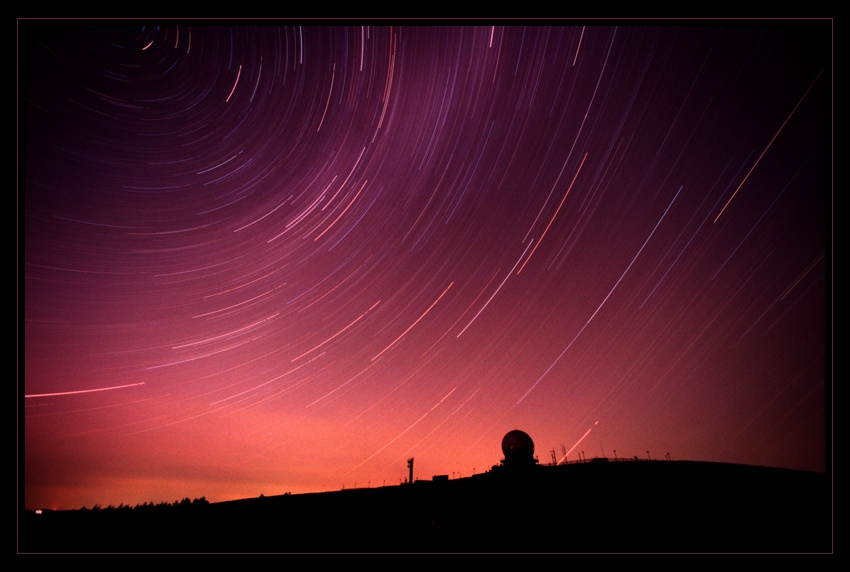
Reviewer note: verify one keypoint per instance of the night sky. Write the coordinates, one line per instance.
(258, 258)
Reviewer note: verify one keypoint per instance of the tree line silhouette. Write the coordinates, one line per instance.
(184, 504)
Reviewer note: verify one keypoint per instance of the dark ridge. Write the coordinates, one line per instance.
(596, 506)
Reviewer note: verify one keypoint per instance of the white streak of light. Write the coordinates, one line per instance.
(497, 290)
(226, 335)
(579, 45)
(557, 359)
(258, 386)
(343, 211)
(577, 444)
(557, 210)
(84, 390)
(346, 179)
(336, 334)
(414, 323)
(767, 147)
(238, 73)
(397, 437)
(330, 93)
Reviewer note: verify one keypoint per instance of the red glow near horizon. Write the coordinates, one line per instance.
(292, 258)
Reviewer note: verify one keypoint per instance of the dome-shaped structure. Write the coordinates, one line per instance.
(518, 448)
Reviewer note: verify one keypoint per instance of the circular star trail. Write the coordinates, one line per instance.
(277, 257)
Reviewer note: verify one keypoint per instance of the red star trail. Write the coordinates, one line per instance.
(260, 257)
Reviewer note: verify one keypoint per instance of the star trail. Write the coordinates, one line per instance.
(269, 257)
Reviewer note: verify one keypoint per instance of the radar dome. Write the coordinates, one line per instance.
(518, 448)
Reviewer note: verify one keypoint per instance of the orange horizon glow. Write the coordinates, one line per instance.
(295, 256)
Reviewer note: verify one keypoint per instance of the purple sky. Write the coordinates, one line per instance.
(260, 259)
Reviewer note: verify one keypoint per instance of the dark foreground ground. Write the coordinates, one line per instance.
(624, 507)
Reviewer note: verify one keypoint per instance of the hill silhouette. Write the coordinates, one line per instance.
(595, 506)
(518, 506)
